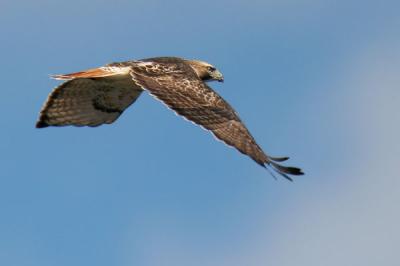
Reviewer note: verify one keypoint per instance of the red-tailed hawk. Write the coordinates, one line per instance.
(99, 96)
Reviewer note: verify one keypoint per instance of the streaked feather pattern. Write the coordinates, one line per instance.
(100, 95)
(88, 101)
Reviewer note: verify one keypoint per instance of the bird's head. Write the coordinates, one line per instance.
(206, 71)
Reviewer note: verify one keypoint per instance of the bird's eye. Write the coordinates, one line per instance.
(210, 68)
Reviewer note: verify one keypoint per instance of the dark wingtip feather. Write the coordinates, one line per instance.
(278, 159)
(284, 171)
(41, 124)
(286, 176)
(271, 173)
(287, 170)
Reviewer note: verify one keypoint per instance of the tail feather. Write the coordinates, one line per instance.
(100, 72)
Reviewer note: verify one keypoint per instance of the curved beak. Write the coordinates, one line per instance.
(218, 76)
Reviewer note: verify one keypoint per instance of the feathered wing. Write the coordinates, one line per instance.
(177, 86)
(89, 98)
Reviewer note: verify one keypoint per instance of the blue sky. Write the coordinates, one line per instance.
(314, 80)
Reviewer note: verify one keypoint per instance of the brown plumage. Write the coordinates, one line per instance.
(98, 96)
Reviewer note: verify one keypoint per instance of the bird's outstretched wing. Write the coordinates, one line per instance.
(177, 86)
(89, 98)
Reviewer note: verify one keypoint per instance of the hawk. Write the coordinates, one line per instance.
(100, 95)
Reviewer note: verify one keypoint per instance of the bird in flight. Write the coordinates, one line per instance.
(100, 95)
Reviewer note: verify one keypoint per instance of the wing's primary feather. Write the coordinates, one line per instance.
(177, 86)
